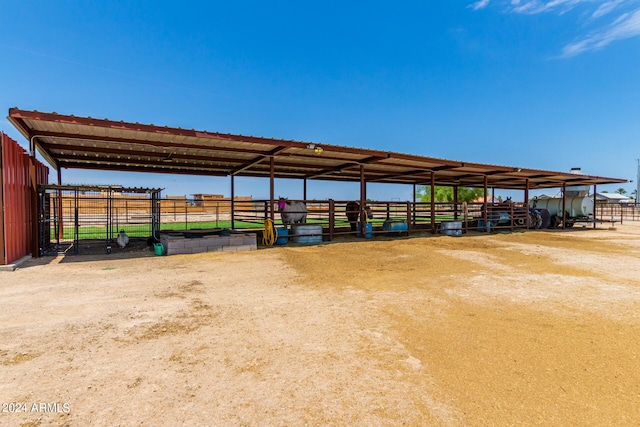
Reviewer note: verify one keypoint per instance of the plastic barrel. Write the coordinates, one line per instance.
(481, 225)
(368, 229)
(393, 225)
(283, 235)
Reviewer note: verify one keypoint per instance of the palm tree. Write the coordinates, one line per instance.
(621, 191)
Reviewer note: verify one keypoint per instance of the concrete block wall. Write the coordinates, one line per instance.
(236, 242)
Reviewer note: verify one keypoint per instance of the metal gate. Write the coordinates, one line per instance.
(87, 219)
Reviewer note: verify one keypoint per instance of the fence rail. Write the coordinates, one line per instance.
(75, 216)
(175, 214)
(617, 212)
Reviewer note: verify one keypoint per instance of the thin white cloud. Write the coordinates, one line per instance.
(480, 4)
(624, 16)
(626, 26)
(606, 8)
(535, 6)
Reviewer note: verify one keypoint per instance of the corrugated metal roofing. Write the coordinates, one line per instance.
(88, 143)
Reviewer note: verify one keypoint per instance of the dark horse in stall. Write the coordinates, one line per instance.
(353, 213)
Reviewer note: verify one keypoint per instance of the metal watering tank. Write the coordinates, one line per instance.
(577, 190)
(578, 203)
(499, 218)
(576, 207)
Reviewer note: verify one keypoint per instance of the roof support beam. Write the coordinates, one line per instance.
(116, 153)
(526, 199)
(363, 198)
(233, 202)
(485, 215)
(479, 174)
(259, 159)
(564, 205)
(400, 175)
(412, 172)
(181, 170)
(595, 206)
(432, 216)
(128, 141)
(345, 166)
(272, 191)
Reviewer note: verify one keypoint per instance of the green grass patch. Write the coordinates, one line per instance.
(138, 230)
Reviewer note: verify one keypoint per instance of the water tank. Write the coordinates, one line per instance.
(575, 206)
(499, 218)
(451, 228)
(577, 190)
(394, 225)
(306, 233)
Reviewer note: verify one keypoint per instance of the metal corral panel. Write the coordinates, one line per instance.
(16, 219)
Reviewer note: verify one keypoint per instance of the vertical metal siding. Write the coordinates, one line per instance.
(3, 258)
(17, 227)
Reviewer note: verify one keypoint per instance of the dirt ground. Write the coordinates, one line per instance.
(535, 328)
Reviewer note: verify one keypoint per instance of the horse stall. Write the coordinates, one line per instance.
(95, 219)
(88, 219)
(328, 219)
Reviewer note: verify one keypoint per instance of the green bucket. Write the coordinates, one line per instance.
(158, 249)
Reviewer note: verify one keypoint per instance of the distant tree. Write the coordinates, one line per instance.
(621, 191)
(634, 194)
(445, 194)
(442, 194)
(468, 194)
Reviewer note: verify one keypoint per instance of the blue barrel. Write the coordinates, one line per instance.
(481, 225)
(283, 235)
(395, 225)
(368, 228)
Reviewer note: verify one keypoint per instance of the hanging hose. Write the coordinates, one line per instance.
(269, 234)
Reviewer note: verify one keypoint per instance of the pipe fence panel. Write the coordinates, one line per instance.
(70, 219)
(88, 220)
(617, 212)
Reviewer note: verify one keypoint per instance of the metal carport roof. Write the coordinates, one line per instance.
(67, 141)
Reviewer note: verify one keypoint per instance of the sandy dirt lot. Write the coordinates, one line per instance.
(536, 328)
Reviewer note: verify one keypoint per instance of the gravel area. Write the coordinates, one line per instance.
(535, 328)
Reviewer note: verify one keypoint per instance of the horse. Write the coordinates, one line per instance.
(353, 213)
(292, 212)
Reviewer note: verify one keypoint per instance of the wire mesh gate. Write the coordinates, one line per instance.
(87, 219)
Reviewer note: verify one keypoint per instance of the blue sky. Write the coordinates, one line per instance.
(540, 84)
